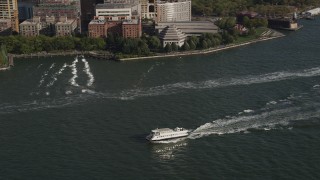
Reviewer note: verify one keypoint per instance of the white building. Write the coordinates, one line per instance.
(116, 12)
(175, 11)
(65, 27)
(190, 28)
(171, 34)
(30, 27)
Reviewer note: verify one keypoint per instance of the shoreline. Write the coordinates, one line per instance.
(268, 35)
(206, 51)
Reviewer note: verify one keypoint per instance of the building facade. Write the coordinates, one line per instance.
(9, 10)
(114, 27)
(175, 11)
(132, 28)
(120, 1)
(148, 8)
(98, 28)
(117, 12)
(31, 27)
(65, 26)
(87, 13)
(25, 10)
(58, 8)
(5, 26)
(191, 28)
(172, 35)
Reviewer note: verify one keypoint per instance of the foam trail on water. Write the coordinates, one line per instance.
(88, 72)
(144, 75)
(45, 74)
(55, 76)
(264, 120)
(74, 72)
(218, 83)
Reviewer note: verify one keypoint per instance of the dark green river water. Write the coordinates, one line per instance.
(255, 112)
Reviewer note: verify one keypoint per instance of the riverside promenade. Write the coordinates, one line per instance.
(268, 35)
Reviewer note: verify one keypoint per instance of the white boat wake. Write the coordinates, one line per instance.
(168, 89)
(74, 73)
(45, 74)
(88, 72)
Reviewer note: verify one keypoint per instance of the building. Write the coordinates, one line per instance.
(31, 27)
(190, 28)
(250, 15)
(120, 1)
(65, 26)
(171, 34)
(5, 26)
(98, 28)
(25, 10)
(57, 8)
(174, 11)
(117, 12)
(131, 28)
(285, 24)
(87, 13)
(148, 8)
(114, 27)
(9, 10)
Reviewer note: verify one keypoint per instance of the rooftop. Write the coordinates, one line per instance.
(97, 21)
(132, 21)
(113, 6)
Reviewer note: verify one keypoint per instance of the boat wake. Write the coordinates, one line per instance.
(73, 80)
(45, 74)
(261, 118)
(88, 72)
(285, 113)
(168, 89)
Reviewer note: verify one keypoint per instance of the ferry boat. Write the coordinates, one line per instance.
(167, 133)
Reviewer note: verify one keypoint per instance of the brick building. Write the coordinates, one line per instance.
(114, 27)
(131, 28)
(98, 28)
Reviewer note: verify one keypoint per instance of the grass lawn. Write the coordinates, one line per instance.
(242, 39)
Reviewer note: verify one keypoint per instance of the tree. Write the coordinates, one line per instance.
(204, 44)
(247, 22)
(168, 48)
(186, 46)
(192, 45)
(174, 47)
(209, 42)
(154, 42)
(144, 47)
(195, 40)
(126, 48)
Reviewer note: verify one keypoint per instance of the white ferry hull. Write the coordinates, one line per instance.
(164, 139)
(167, 134)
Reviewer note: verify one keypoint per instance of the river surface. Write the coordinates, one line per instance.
(254, 112)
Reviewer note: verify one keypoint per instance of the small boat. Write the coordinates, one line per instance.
(167, 133)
